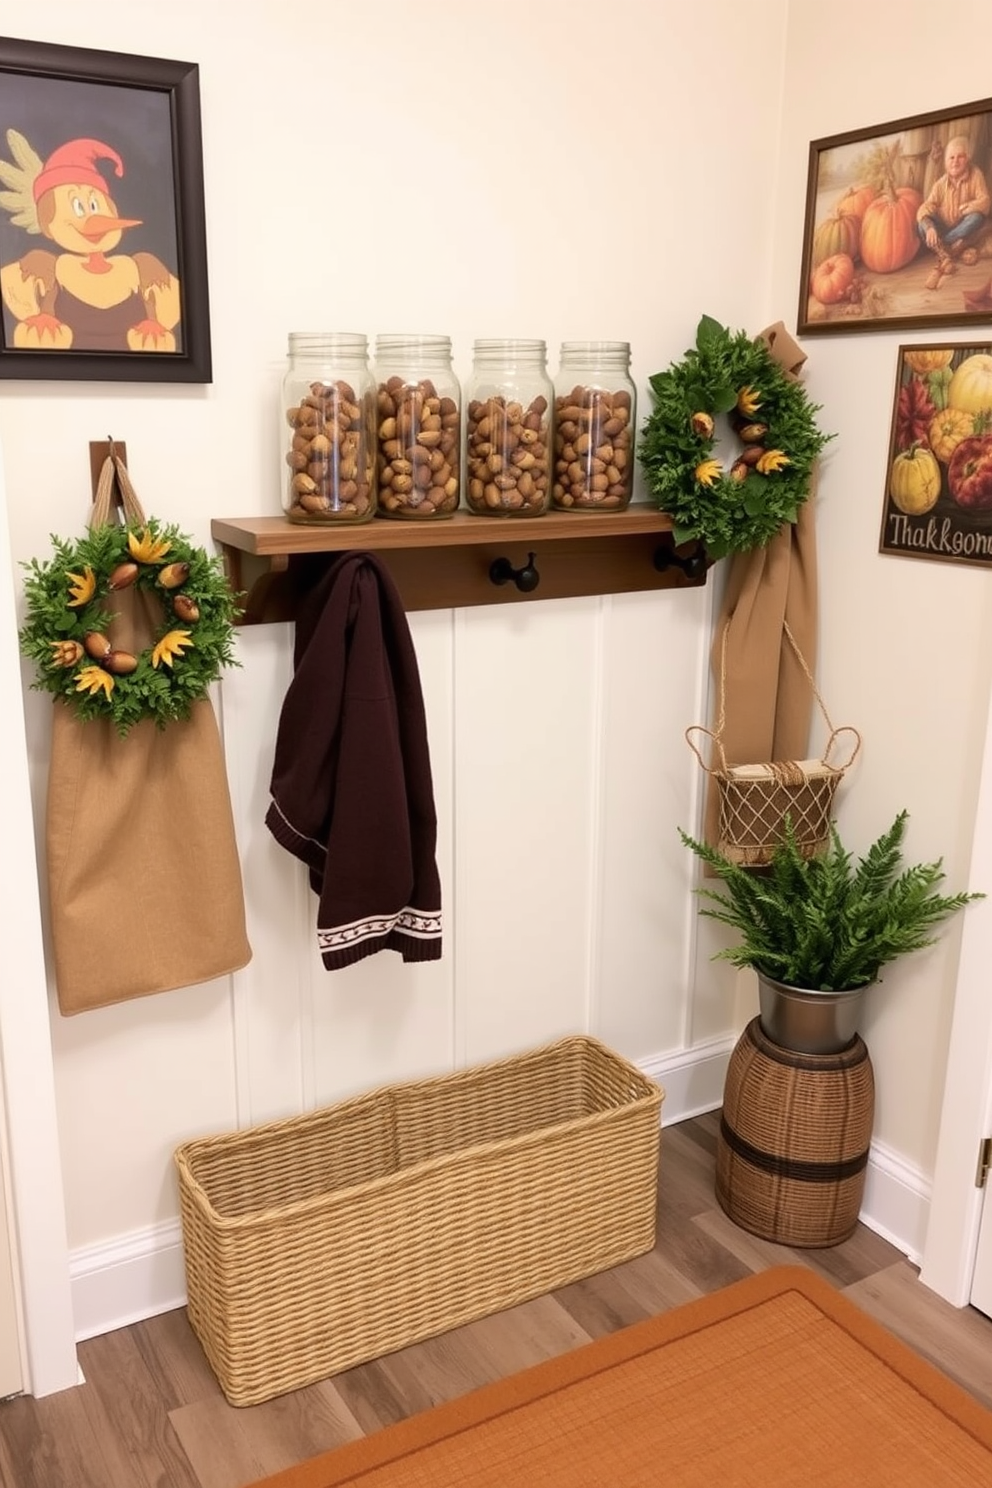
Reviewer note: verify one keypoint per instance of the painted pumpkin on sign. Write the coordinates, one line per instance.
(970, 388)
(969, 475)
(947, 429)
(914, 482)
(929, 361)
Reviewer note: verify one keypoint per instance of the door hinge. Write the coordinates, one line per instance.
(984, 1161)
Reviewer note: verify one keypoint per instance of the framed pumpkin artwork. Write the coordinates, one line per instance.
(938, 475)
(898, 228)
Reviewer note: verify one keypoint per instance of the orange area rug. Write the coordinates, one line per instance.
(775, 1381)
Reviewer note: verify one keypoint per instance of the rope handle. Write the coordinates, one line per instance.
(716, 737)
(786, 770)
(697, 728)
(845, 728)
(102, 514)
(808, 675)
(722, 718)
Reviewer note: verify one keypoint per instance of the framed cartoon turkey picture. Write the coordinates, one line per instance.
(938, 475)
(103, 262)
(898, 230)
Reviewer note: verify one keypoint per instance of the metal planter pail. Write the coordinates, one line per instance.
(808, 1022)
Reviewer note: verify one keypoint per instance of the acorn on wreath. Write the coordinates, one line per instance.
(745, 506)
(70, 607)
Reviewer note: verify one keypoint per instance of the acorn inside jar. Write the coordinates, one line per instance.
(508, 429)
(328, 403)
(418, 410)
(595, 403)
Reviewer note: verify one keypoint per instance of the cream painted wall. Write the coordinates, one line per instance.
(31, 1157)
(599, 205)
(374, 174)
(905, 655)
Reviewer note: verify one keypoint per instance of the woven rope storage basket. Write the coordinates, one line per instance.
(756, 800)
(318, 1242)
(792, 1148)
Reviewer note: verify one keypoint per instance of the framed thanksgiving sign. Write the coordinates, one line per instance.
(938, 492)
(898, 230)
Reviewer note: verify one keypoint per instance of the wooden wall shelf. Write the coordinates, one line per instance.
(450, 563)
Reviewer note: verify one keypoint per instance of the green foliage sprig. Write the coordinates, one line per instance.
(823, 923)
(744, 508)
(71, 598)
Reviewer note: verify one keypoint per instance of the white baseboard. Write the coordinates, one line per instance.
(692, 1079)
(896, 1203)
(124, 1280)
(141, 1274)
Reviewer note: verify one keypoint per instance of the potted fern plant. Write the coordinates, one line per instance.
(817, 931)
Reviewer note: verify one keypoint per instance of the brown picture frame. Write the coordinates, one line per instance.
(866, 265)
(123, 124)
(937, 502)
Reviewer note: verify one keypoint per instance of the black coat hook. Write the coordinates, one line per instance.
(527, 578)
(693, 565)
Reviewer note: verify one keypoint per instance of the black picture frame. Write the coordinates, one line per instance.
(146, 112)
(937, 504)
(865, 188)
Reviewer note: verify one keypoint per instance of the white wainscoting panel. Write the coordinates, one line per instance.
(269, 1005)
(527, 686)
(648, 785)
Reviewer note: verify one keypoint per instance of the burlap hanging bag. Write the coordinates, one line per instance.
(756, 800)
(144, 878)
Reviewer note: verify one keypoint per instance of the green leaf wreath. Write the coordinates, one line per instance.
(735, 510)
(70, 607)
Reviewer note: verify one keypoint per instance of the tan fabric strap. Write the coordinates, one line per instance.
(102, 514)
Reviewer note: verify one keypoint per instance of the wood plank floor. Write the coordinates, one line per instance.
(151, 1414)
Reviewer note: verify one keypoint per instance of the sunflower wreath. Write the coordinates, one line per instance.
(735, 510)
(70, 607)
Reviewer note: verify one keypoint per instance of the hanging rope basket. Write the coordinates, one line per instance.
(756, 800)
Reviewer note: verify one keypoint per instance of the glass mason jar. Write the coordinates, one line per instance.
(508, 429)
(328, 401)
(418, 412)
(595, 410)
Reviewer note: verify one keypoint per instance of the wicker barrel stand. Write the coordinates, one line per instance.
(793, 1143)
